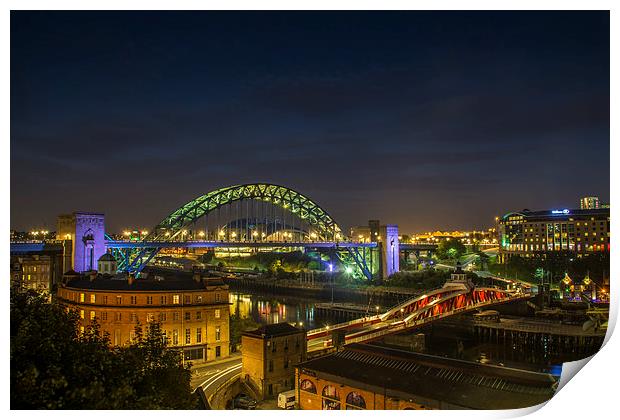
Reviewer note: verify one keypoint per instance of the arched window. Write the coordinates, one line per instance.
(331, 398)
(355, 401)
(308, 386)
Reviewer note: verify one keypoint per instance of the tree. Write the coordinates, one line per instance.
(451, 248)
(54, 366)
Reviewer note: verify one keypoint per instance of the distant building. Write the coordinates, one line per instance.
(32, 272)
(269, 354)
(193, 311)
(536, 233)
(368, 377)
(588, 203)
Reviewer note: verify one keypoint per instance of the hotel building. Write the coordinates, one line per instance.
(536, 233)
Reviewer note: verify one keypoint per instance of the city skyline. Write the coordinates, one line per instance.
(429, 120)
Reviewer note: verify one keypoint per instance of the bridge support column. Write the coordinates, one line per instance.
(86, 232)
(390, 250)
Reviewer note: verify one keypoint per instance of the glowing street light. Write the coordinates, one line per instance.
(201, 234)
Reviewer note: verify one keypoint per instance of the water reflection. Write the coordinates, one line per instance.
(271, 309)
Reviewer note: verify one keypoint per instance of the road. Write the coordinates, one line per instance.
(212, 375)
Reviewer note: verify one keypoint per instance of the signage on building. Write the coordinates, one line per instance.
(565, 211)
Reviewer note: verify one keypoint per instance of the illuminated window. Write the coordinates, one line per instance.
(188, 336)
(175, 337)
(81, 294)
(92, 298)
(217, 334)
(82, 313)
(92, 315)
(175, 299)
(150, 317)
(217, 313)
(217, 297)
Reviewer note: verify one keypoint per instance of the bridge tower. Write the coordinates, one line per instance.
(388, 241)
(86, 231)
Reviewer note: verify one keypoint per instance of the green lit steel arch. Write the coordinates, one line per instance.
(295, 202)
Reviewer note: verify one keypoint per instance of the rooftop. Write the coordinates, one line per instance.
(406, 374)
(274, 330)
(150, 283)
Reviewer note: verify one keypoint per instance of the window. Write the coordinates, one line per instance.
(198, 299)
(175, 316)
(273, 348)
(119, 300)
(217, 313)
(198, 335)
(162, 316)
(104, 316)
(134, 317)
(217, 333)
(188, 299)
(132, 336)
(105, 300)
(217, 297)
(162, 300)
(355, 401)
(134, 300)
(118, 316)
(92, 298)
(218, 351)
(81, 330)
(149, 300)
(150, 317)
(92, 315)
(82, 313)
(308, 386)
(286, 363)
(331, 398)
(188, 316)
(198, 315)
(175, 299)
(188, 336)
(81, 294)
(271, 366)
(175, 337)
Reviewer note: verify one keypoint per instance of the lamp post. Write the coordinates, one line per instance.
(331, 278)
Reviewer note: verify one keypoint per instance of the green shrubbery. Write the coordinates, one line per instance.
(53, 366)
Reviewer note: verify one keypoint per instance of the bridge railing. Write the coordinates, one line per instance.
(318, 331)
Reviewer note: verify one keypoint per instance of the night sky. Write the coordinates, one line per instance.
(424, 119)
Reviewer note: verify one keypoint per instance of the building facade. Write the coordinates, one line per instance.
(536, 233)
(32, 272)
(269, 354)
(589, 203)
(194, 312)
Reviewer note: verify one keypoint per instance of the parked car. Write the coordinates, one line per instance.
(244, 402)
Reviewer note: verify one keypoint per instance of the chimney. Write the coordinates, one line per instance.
(130, 278)
(197, 275)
